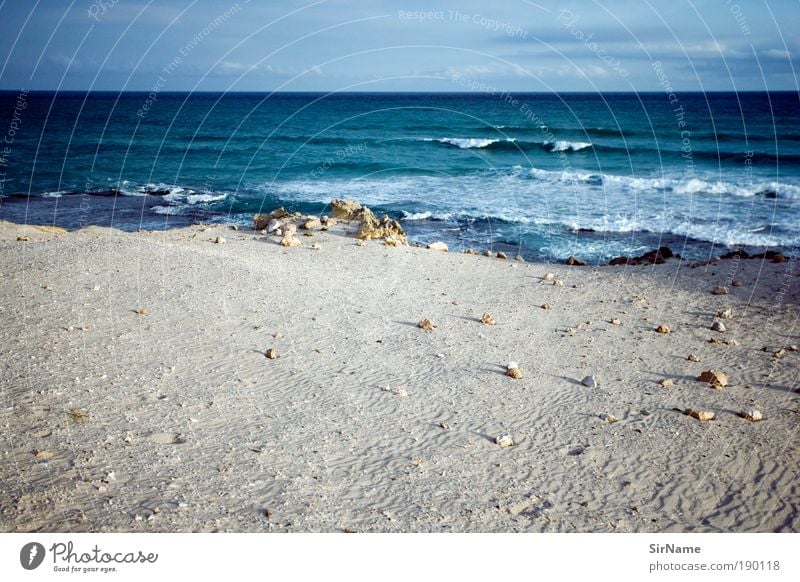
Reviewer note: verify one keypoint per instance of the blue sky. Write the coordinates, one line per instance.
(391, 45)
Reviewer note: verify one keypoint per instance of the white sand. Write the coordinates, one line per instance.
(191, 428)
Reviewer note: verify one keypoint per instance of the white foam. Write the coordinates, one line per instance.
(469, 143)
(569, 146)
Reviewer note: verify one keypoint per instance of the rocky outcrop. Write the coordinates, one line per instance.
(345, 209)
(370, 227)
(289, 239)
(262, 221)
(656, 257)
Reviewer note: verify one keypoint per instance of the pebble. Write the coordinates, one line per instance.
(751, 414)
(315, 247)
(716, 378)
(545, 306)
(725, 313)
(487, 319)
(719, 291)
(549, 277)
(667, 382)
(271, 353)
(487, 254)
(737, 283)
(220, 240)
(699, 414)
(558, 283)
(519, 258)
(399, 392)
(502, 255)
(615, 321)
(514, 373)
(692, 358)
(444, 426)
(607, 418)
(426, 324)
(718, 326)
(590, 382)
(663, 329)
(504, 440)
(438, 246)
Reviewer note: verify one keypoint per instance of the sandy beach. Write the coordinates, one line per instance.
(136, 395)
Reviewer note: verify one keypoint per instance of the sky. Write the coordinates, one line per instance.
(396, 45)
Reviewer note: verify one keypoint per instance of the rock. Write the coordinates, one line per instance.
(275, 225)
(315, 247)
(487, 254)
(663, 329)
(444, 426)
(43, 455)
(271, 353)
(514, 372)
(656, 257)
(470, 252)
(545, 306)
(233, 227)
(666, 382)
(504, 440)
(345, 209)
(261, 221)
(219, 240)
(725, 313)
(615, 321)
(385, 228)
(558, 283)
(692, 358)
(519, 258)
(719, 291)
(607, 418)
(487, 319)
(328, 221)
(699, 414)
(502, 255)
(718, 326)
(590, 382)
(751, 414)
(716, 378)
(737, 283)
(426, 324)
(575, 262)
(549, 277)
(312, 224)
(361, 243)
(289, 239)
(438, 246)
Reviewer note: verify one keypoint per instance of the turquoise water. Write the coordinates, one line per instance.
(549, 176)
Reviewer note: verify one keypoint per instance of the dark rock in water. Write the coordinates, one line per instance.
(774, 256)
(576, 262)
(771, 194)
(153, 191)
(110, 192)
(741, 253)
(656, 257)
(594, 180)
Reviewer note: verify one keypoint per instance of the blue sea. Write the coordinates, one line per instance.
(544, 175)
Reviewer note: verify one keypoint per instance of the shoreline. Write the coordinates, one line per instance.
(140, 399)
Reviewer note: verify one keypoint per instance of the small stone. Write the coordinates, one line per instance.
(444, 426)
(140, 311)
(312, 224)
(315, 247)
(70, 329)
(607, 418)
(615, 321)
(361, 243)
(792, 348)
(519, 258)
(271, 353)
(719, 291)
(487, 319)
(23, 238)
(725, 313)
(737, 283)
(220, 240)
(699, 414)
(399, 392)
(663, 329)
(549, 277)
(751, 414)
(558, 283)
(44, 455)
(438, 246)
(487, 254)
(716, 378)
(514, 373)
(666, 382)
(718, 326)
(289, 239)
(502, 255)
(545, 306)
(590, 382)
(692, 358)
(504, 440)
(426, 324)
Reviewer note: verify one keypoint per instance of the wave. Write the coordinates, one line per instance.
(512, 144)
(467, 143)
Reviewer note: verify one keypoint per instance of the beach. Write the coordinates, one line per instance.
(137, 395)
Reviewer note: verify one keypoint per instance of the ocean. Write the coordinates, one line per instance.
(543, 175)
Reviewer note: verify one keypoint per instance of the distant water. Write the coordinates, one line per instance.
(546, 175)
